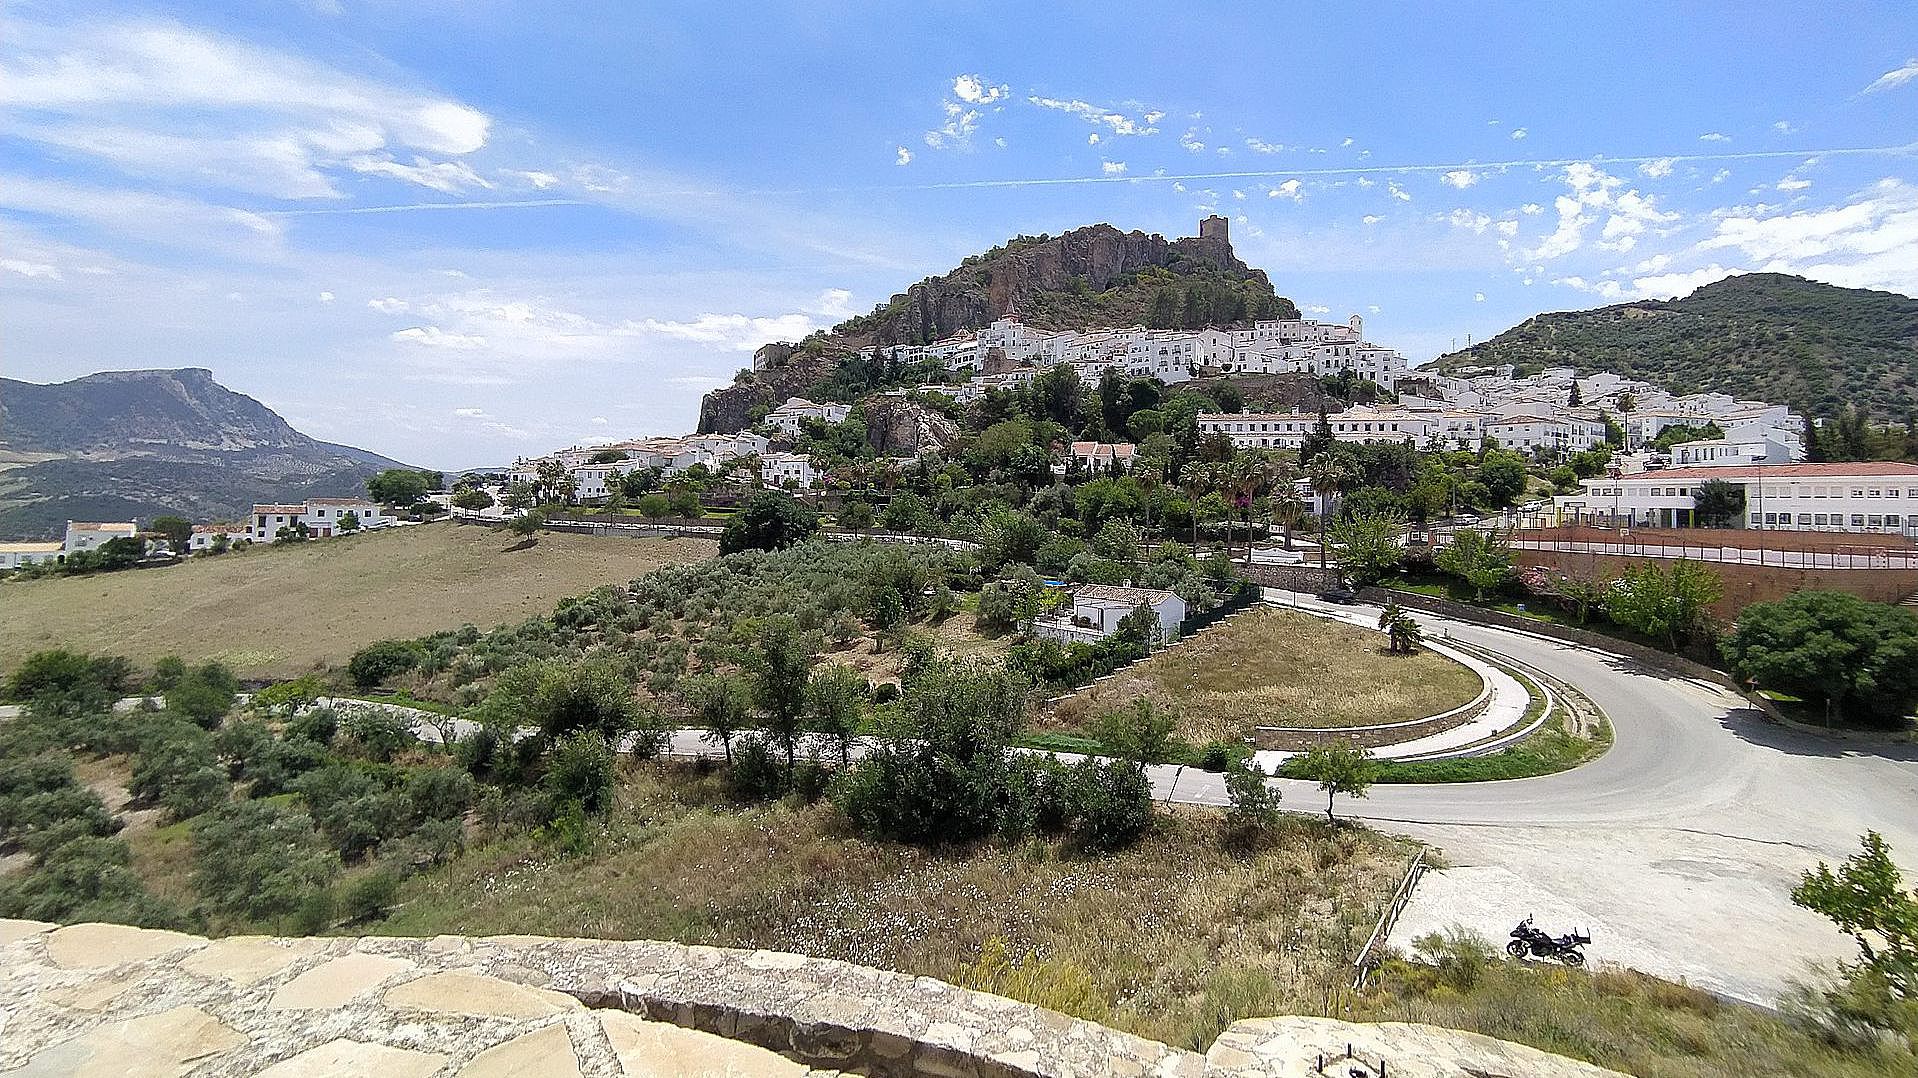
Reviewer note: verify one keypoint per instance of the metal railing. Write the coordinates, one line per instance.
(1374, 948)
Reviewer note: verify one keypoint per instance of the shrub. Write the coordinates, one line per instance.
(376, 662)
(581, 773)
(255, 860)
(367, 898)
(1112, 800)
(1460, 955)
(757, 773)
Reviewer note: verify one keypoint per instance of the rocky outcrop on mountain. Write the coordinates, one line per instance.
(788, 371)
(1096, 269)
(136, 444)
(897, 427)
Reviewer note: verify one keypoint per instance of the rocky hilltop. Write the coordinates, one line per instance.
(133, 444)
(1089, 277)
(1763, 336)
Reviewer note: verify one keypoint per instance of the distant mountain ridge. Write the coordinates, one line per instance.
(135, 444)
(1766, 336)
(1095, 276)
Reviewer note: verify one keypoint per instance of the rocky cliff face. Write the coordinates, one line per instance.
(1096, 258)
(138, 443)
(896, 427)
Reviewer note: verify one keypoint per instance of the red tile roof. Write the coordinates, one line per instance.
(1855, 469)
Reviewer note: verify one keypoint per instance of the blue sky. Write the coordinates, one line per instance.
(458, 231)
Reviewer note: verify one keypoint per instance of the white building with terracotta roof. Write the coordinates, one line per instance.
(1100, 457)
(85, 536)
(322, 516)
(207, 536)
(1862, 496)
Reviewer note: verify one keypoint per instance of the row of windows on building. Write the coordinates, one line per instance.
(1833, 520)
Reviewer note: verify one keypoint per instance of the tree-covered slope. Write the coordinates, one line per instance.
(1765, 336)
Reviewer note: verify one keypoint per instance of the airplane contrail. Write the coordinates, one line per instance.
(1909, 148)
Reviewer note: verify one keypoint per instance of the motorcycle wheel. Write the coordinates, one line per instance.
(1516, 948)
(1572, 957)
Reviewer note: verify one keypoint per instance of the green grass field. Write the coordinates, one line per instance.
(281, 611)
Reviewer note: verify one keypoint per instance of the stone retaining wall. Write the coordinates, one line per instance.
(124, 1002)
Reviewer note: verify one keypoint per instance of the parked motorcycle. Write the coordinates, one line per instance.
(1527, 940)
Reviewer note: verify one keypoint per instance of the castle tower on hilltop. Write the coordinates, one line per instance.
(1215, 228)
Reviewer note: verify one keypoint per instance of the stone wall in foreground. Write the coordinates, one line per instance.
(124, 1002)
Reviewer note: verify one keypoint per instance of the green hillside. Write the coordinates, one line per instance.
(1765, 336)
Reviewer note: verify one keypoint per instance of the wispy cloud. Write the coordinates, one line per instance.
(1896, 77)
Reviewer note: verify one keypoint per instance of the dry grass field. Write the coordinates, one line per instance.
(1173, 939)
(1273, 667)
(277, 611)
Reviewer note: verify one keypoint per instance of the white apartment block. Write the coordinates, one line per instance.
(1289, 430)
(789, 415)
(787, 469)
(321, 516)
(1868, 496)
(1729, 451)
(1561, 433)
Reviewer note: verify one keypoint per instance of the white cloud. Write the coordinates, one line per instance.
(834, 303)
(1346, 142)
(1658, 169)
(159, 99)
(1190, 141)
(1112, 168)
(1868, 242)
(1531, 209)
(1397, 192)
(1318, 308)
(1722, 175)
(1291, 189)
(540, 180)
(470, 413)
(902, 156)
(1793, 183)
(1239, 195)
(1785, 127)
(974, 90)
(1592, 193)
(435, 337)
(25, 268)
(1092, 139)
(1460, 178)
(1113, 120)
(1469, 220)
(732, 332)
(1508, 228)
(326, 297)
(389, 305)
(1714, 136)
(1478, 297)
(1257, 145)
(447, 177)
(1894, 78)
(1371, 219)
(1519, 132)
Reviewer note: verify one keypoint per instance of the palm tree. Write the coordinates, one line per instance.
(1328, 475)
(1284, 502)
(1196, 479)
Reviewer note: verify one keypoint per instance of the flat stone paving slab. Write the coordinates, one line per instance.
(334, 982)
(475, 994)
(545, 1052)
(96, 946)
(353, 1059)
(150, 1046)
(245, 960)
